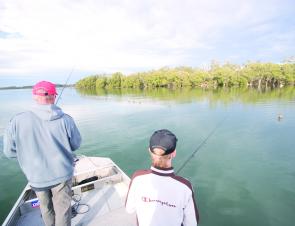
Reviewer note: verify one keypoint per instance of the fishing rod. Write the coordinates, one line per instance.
(201, 144)
(64, 86)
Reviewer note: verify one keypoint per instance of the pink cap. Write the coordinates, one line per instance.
(44, 88)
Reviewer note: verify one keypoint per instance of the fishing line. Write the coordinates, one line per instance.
(201, 144)
(75, 208)
(64, 86)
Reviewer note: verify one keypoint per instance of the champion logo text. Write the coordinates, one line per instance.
(163, 203)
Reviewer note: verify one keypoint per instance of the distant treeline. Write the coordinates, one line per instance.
(30, 87)
(257, 75)
(16, 87)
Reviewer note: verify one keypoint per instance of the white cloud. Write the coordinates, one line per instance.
(105, 35)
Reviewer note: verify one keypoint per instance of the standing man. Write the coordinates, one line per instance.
(42, 140)
(158, 196)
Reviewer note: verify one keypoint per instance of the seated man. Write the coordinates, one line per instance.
(157, 195)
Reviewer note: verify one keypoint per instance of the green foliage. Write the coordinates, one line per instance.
(101, 82)
(87, 83)
(257, 75)
(288, 72)
(132, 81)
(115, 80)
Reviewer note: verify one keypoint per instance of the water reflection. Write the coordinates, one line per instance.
(193, 94)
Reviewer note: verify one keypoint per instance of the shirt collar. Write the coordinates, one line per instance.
(162, 171)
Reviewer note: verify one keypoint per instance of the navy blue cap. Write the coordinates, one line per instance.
(163, 139)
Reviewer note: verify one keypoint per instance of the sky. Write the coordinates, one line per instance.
(46, 40)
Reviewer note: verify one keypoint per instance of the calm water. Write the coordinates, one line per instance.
(243, 175)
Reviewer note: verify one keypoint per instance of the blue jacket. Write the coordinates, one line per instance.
(43, 140)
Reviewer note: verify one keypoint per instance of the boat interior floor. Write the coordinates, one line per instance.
(105, 207)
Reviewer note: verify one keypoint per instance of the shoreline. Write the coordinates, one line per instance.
(30, 87)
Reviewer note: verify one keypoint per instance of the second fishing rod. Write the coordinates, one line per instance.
(201, 144)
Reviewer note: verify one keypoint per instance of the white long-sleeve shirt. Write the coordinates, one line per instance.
(160, 198)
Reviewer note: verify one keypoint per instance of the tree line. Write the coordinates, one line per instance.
(256, 75)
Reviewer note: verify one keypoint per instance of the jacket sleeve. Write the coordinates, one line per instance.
(73, 133)
(191, 213)
(9, 145)
(130, 199)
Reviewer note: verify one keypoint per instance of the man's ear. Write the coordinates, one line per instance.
(173, 154)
